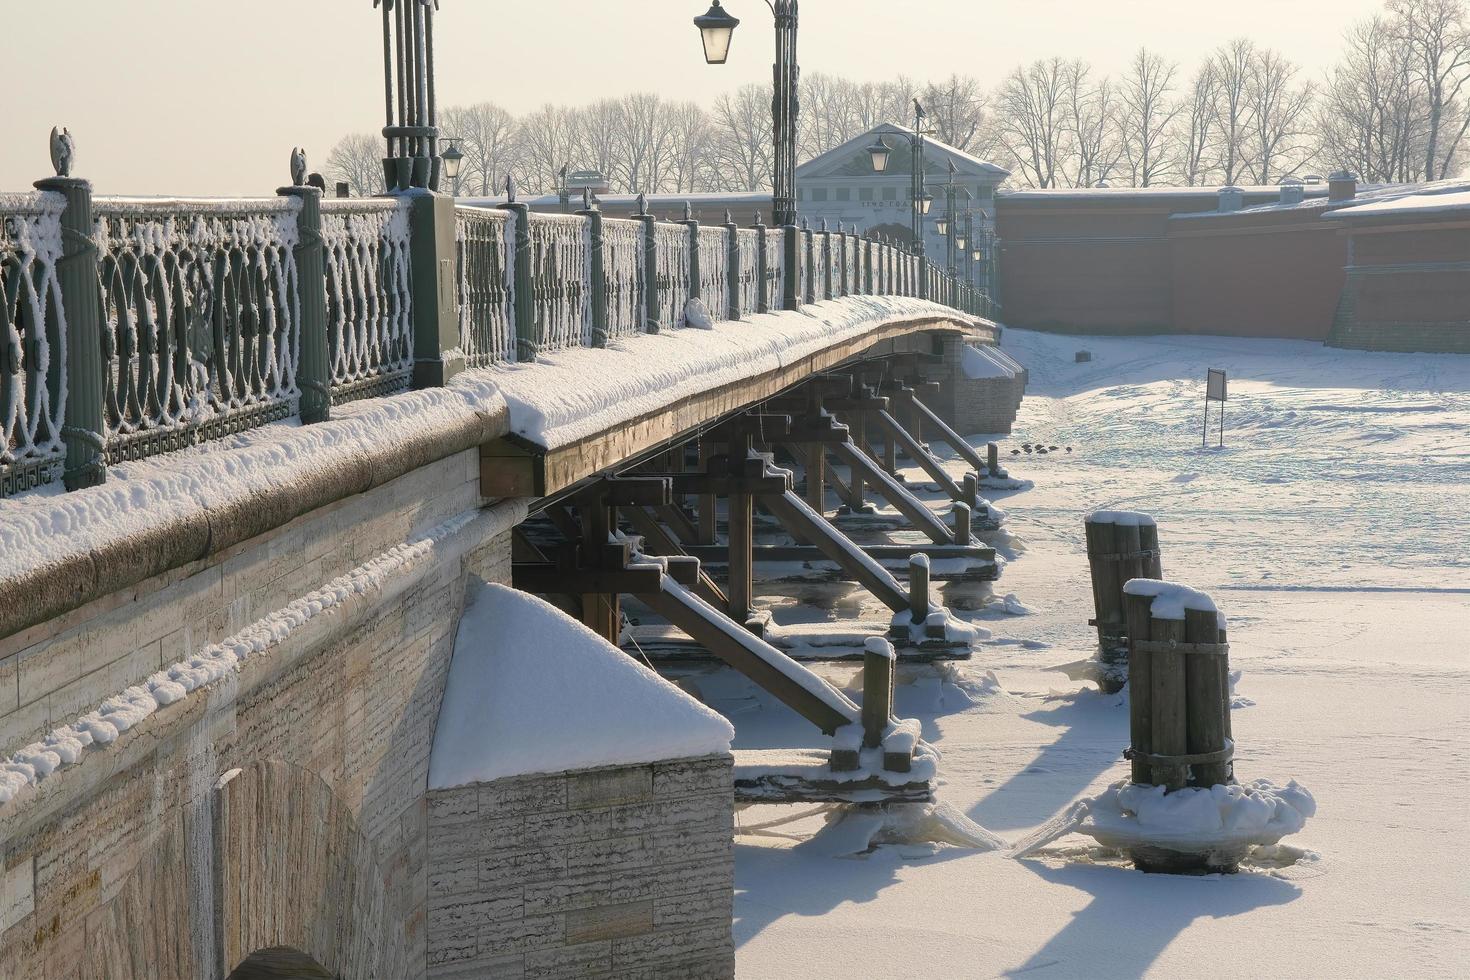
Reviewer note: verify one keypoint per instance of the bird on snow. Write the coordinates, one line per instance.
(1069, 449)
(1053, 448)
(1015, 452)
(1041, 450)
(298, 167)
(63, 151)
(1027, 447)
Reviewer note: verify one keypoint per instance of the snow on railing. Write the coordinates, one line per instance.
(854, 247)
(822, 266)
(622, 263)
(775, 267)
(671, 272)
(369, 296)
(201, 335)
(804, 264)
(32, 341)
(714, 271)
(560, 268)
(747, 245)
(486, 292)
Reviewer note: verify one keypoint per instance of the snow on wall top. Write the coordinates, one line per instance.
(1409, 204)
(531, 690)
(1170, 599)
(569, 395)
(979, 362)
(45, 526)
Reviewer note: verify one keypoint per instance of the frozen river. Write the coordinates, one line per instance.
(1332, 531)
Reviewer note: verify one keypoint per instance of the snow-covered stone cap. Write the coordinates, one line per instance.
(531, 690)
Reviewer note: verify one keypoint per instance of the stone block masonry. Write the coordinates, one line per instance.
(618, 872)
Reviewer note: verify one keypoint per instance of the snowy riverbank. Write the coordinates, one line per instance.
(1331, 531)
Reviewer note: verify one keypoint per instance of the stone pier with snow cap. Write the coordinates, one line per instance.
(580, 811)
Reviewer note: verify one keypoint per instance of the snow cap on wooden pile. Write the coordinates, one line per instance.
(1127, 518)
(1170, 599)
(531, 690)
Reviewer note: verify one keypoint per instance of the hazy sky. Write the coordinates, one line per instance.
(208, 96)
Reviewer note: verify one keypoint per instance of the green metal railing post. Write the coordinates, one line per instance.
(791, 273)
(83, 427)
(528, 342)
(762, 266)
(650, 266)
(809, 289)
(692, 224)
(314, 365)
(433, 262)
(597, 271)
(732, 266)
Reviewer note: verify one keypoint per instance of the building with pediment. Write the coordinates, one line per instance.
(841, 186)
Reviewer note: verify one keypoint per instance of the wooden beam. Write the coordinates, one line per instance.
(920, 455)
(753, 657)
(887, 487)
(805, 523)
(658, 541)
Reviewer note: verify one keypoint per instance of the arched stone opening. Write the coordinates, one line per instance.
(279, 963)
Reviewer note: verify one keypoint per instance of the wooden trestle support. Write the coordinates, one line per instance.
(595, 565)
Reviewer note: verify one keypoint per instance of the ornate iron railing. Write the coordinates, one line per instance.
(775, 267)
(203, 327)
(560, 260)
(486, 286)
(671, 272)
(622, 242)
(714, 271)
(200, 333)
(747, 248)
(369, 289)
(32, 342)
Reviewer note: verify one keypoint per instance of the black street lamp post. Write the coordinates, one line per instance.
(716, 28)
(408, 88)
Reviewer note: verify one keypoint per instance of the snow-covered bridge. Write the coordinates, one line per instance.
(259, 452)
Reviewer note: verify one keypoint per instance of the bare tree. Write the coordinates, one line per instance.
(597, 137)
(742, 138)
(1196, 128)
(546, 138)
(358, 159)
(1146, 116)
(1230, 107)
(1372, 115)
(957, 110)
(1277, 118)
(1033, 124)
(1438, 34)
(1090, 110)
(691, 163)
(489, 139)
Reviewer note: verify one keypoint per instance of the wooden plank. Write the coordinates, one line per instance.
(1207, 697)
(715, 554)
(1170, 732)
(739, 537)
(956, 441)
(1140, 684)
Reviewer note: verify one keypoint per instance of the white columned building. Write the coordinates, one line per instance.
(840, 186)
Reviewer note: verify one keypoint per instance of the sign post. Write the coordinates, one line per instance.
(1215, 390)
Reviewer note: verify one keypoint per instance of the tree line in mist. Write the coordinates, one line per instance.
(1395, 107)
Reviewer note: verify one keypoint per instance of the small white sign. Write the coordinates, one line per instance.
(1215, 385)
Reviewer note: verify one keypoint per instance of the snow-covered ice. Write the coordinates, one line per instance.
(1330, 530)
